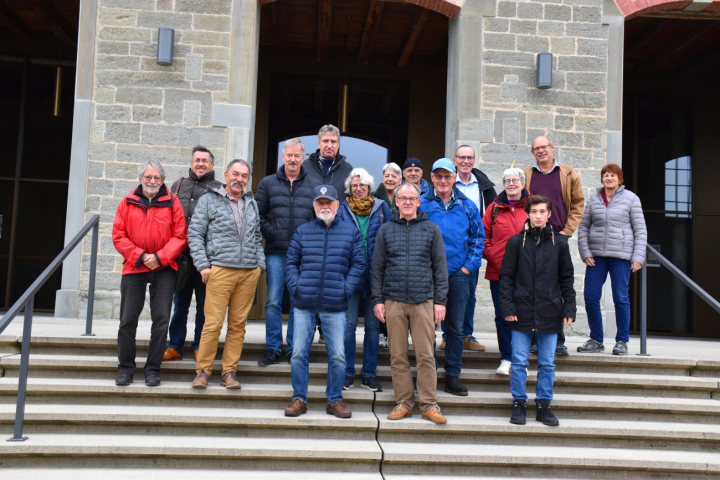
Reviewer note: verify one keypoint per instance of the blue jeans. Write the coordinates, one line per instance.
(546, 365)
(333, 327)
(594, 280)
(182, 299)
(371, 342)
(457, 300)
(504, 334)
(469, 321)
(275, 276)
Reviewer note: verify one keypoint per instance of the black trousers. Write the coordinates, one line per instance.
(132, 301)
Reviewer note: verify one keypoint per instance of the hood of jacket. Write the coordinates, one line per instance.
(503, 201)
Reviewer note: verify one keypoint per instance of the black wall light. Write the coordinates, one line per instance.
(166, 37)
(544, 71)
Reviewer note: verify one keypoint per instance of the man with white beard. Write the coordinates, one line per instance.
(325, 264)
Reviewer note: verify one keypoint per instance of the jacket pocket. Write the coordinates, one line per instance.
(549, 307)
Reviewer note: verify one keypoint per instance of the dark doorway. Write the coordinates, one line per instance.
(670, 126)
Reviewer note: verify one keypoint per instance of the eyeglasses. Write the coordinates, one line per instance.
(407, 199)
(357, 187)
(465, 159)
(201, 160)
(447, 178)
(509, 181)
(541, 147)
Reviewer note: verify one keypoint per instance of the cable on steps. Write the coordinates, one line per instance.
(377, 436)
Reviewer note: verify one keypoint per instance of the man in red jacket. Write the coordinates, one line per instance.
(149, 232)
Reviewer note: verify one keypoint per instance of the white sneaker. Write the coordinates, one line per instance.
(504, 368)
(383, 341)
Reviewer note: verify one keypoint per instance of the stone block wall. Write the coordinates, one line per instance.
(144, 110)
(573, 113)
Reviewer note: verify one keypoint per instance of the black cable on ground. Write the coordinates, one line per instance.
(377, 435)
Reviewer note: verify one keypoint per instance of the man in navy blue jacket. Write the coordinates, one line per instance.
(325, 264)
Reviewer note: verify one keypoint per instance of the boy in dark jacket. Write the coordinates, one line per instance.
(536, 296)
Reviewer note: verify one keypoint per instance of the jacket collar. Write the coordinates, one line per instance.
(538, 234)
(483, 181)
(619, 190)
(162, 199)
(322, 222)
(248, 195)
(503, 201)
(458, 195)
(315, 160)
(283, 176)
(421, 217)
(208, 177)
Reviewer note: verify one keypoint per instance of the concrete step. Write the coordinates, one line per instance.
(69, 473)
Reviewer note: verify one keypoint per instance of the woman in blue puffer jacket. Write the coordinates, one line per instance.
(368, 214)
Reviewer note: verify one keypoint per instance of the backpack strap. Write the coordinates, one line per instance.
(495, 211)
(177, 186)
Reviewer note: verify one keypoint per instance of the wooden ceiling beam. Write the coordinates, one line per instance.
(413, 33)
(54, 19)
(324, 19)
(278, 16)
(372, 23)
(14, 23)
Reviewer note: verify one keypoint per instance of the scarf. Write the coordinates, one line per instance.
(360, 207)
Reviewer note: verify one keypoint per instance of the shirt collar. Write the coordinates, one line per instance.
(555, 165)
(473, 179)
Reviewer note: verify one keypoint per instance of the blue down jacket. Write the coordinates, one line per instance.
(325, 265)
(379, 214)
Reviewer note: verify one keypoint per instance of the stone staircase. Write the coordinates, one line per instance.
(621, 418)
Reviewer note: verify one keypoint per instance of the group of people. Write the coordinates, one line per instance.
(405, 255)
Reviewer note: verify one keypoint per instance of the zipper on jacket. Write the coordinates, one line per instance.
(322, 272)
(407, 261)
(292, 206)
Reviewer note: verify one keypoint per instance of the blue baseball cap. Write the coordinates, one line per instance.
(444, 163)
(325, 191)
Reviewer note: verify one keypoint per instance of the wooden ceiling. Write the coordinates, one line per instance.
(364, 27)
(22, 17)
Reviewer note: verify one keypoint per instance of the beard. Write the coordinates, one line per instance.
(327, 216)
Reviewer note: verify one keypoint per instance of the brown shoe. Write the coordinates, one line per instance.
(399, 412)
(442, 345)
(201, 380)
(229, 381)
(196, 354)
(338, 409)
(171, 355)
(474, 345)
(295, 408)
(433, 414)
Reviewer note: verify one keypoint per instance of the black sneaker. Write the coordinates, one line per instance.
(620, 348)
(518, 412)
(349, 382)
(591, 346)
(124, 379)
(561, 351)
(270, 357)
(453, 385)
(371, 384)
(533, 348)
(544, 414)
(152, 380)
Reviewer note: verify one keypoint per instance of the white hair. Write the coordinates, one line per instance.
(407, 184)
(329, 130)
(294, 142)
(514, 171)
(365, 179)
(393, 168)
(151, 163)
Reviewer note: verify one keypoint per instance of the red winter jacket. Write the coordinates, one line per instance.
(508, 222)
(156, 226)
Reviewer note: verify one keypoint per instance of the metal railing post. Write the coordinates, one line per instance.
(22, 378)
(643, 312)
(91, 283)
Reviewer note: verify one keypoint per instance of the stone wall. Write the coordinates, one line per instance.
(144, 110)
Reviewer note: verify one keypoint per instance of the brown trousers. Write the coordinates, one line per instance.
(233, 289)
(422, 328)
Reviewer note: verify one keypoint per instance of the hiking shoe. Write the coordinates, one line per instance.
(433, 414)
(196, 354)
(620, 348)
(399, 412)
(270, 357)
(591, 346)
(349, 382)
(504, 368)
(533, 348)
(201, 380)
(338, 409)
(519, 411)
(544, 414)
(171, 355)
(371, 384)
(561, 351)
(295, 408)
(383, 341)
(472, 344)
(453, 385)
(152, 380)
(443, 344)
(230, 381)
(123, 379)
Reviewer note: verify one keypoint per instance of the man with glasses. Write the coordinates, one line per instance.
(464, 237)
(409, 283)
(560, 184)
(200, 179)
(478, 188)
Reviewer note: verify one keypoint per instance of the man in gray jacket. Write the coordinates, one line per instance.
(225, 243)
(200, 179)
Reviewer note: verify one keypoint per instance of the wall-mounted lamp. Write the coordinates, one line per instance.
(166, 37)
(544, 71)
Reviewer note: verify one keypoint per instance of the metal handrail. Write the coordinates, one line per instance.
(27, 300)
(683, 278)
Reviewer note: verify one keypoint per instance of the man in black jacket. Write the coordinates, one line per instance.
(409, 284)
(201, 178)
(285, 201)
(327, 165)
(536, 296)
